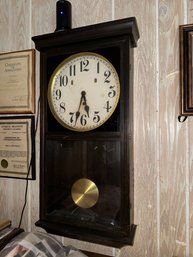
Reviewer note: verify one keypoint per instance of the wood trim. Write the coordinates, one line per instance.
(90, 254)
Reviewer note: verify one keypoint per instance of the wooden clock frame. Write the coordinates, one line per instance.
(67, 154)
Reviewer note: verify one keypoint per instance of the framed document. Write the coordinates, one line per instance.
(17, 82)
(186, 69)
(17, 147)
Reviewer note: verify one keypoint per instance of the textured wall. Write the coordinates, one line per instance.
(163, 146)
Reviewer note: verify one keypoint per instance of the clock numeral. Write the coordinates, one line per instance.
(58, 94)
(96, 117)
(63, 81)
(98, 67)
(83, 120)
(71, 116)
(112, 93)
(62, 107)
(84, 65)
(107, 106)
(73, 70)
(107, 74)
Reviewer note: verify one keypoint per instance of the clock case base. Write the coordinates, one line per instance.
(115, 40)
(88, 235)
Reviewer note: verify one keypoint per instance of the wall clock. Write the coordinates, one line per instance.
(83, 91)
(86, 183)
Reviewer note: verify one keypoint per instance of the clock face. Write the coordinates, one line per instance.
(83, 91)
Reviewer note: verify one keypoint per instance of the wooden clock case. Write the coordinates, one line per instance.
(103, 155)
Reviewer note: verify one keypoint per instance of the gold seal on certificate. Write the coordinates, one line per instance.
(4, 163)
(17, 147)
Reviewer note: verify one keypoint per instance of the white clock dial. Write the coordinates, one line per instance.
(83, 91)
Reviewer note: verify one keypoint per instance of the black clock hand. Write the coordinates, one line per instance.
(78, 112)
(86, 107)
(77, 115)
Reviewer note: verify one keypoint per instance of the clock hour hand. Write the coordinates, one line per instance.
(86, 107)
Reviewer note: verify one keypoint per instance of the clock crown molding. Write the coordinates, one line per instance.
(126, 26)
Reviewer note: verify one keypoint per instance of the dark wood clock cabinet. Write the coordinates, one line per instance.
(103, 155)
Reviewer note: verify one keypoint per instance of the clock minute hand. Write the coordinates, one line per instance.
(78, 112)
(77, 115)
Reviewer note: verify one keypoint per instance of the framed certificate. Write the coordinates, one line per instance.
(17, 82)
(17, 147)
(186, 69)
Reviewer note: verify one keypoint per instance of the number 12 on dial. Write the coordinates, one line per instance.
(83, 91)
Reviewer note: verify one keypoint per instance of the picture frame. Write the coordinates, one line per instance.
(17, 147)
(17, 82)
(186, 69)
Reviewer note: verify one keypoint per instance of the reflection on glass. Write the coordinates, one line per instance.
(103, 169)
